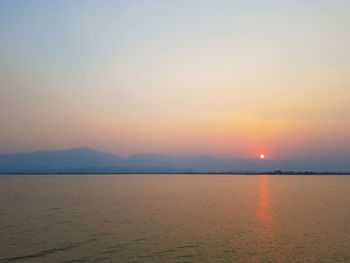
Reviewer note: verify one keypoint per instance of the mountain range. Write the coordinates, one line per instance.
(87, 160)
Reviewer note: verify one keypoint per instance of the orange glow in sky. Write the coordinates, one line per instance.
(147, 82)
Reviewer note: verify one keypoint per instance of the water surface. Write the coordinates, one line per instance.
(174, 218)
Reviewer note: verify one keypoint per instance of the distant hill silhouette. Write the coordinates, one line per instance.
(78, 157)
(86, 160)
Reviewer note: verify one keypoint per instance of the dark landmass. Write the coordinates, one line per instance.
(198, 173)
(89, 161)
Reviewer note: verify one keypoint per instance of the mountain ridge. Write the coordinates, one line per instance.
(85, 160)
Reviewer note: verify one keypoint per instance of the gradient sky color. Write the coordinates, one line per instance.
(224, 78)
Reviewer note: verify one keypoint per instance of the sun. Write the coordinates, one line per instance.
(262, 156)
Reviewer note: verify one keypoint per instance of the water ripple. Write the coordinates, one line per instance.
(45, 253)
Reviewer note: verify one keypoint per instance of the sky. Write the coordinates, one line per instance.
(222, 78)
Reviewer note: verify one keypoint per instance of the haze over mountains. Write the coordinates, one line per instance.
(86, 160)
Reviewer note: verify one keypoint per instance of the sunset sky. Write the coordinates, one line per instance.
(222, 78)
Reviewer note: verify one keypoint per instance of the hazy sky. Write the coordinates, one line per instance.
(225, 78)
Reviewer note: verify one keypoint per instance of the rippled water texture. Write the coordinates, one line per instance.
(174, 218)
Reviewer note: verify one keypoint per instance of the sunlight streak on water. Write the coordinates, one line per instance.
(264, 210)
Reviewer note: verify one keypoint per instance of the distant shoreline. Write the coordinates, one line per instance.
(179, 173)
(89, 161)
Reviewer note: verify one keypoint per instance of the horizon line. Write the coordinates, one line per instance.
(266, 159)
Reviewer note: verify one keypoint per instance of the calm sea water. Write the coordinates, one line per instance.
(174, 218)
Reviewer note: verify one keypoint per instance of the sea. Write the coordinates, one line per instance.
(174, 218)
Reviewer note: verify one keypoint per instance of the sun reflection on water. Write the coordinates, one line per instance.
(264, 210)
(268, 228)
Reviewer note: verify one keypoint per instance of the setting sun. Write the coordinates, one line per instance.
(166, 112)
